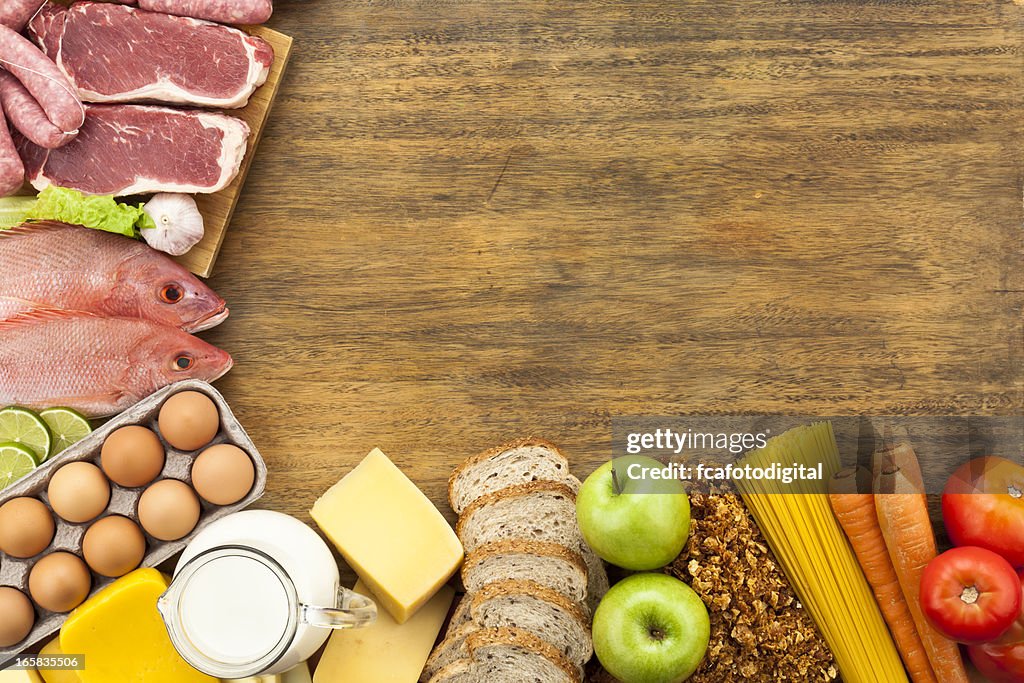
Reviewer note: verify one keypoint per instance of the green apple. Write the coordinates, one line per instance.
(651, 628)
(631, 520)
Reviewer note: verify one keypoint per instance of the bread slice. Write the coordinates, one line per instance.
(537, 511)
(518, 462)
(545, 613)
(451, 649)
(507, 655)
(597, 577)
(549, 564)
(461, 614)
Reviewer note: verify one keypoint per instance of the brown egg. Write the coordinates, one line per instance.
(223, 474)
(26, 527)
(59, 582)
(169, 510)
(114, 546)
(18, 616)
(78, 492)
(132, 456)
(189, 420)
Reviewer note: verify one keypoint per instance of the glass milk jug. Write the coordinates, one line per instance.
(257, 592)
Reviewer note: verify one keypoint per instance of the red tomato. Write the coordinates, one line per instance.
(999, 663)
(1016, 633)
(970, 595)
(983, 505)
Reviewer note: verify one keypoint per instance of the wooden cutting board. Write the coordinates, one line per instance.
(218, 208)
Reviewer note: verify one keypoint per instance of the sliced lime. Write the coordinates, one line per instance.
(67, 427)
(15, 462)
(22, 426)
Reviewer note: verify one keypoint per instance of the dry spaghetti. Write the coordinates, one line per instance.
(798, 523)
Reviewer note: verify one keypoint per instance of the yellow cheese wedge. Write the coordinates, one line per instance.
(20, 676)
(390, 533)
(122, 636)
(385, 652)
(52, 649)
(299, 674)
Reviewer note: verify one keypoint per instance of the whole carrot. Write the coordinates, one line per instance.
(855, 512)
(902, 509)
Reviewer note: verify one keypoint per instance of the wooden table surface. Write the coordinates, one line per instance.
(470, 221)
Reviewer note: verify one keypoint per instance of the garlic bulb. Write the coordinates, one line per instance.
(179, 225)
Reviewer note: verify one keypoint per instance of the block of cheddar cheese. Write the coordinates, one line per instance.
(52, 649)
(398, 543)
(123, 637)
(386, 651)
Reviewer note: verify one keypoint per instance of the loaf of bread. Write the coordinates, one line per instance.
(532, 582)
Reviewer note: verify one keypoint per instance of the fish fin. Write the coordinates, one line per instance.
(44, 315)
(89, 405)
(32, 227)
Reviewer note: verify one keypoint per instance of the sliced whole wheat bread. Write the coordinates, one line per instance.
(518, 462)
(452, 648)
(508, 655)
(545, 613)
(597, 577)
(537, 511)
(549, 564)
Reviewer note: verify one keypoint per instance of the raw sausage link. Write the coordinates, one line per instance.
(12, 171)
(224, 11)
(27, 116)
(44, 80)
(15, 14)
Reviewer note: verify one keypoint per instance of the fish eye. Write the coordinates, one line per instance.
(184, 362)
(171, 294)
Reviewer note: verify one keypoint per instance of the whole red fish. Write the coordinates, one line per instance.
(96, 365)
(58, 266)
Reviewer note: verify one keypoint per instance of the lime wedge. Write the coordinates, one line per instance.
(15, 462)
(67, 426)
(22, 426)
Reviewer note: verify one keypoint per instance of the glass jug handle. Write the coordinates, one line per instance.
(351, 610)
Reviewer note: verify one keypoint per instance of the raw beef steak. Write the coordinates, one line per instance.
(115, 53)
(132, 149)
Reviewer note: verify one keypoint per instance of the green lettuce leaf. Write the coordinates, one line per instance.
(92, 211)
(14, 210)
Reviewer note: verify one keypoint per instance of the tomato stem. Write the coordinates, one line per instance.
(1015, 492)
(970, 595)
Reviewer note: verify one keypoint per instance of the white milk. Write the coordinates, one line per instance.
(246, 599)
(235, 610)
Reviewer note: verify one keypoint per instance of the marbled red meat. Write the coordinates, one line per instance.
(132, 149)
(115, 53)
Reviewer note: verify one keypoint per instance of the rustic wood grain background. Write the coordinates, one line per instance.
(470, 221)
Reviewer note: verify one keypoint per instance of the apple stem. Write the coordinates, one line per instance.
(656, 633)
(615, 481)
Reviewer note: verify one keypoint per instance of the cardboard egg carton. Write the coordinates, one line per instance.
(123, 501)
